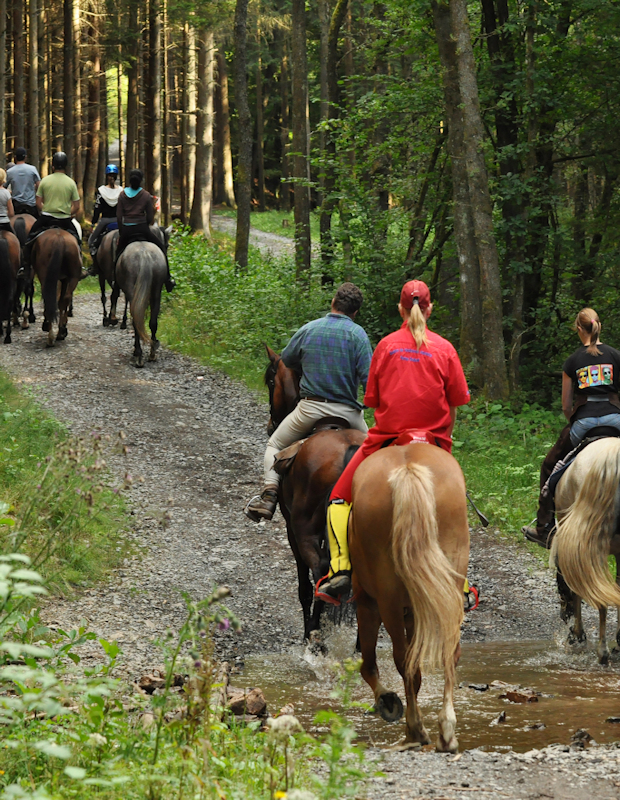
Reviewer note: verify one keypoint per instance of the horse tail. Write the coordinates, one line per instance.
(20, 230)
(7, 280)
(141, 296)
(431, 582)
(49, 290)
(581, 545)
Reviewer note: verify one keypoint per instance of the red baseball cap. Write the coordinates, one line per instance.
(412, 290)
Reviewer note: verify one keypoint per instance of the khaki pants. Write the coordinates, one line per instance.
(299, 423)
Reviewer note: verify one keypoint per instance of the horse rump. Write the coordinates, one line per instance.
(431, 582)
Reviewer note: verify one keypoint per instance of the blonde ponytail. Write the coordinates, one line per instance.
(587, 319)
(417, 325)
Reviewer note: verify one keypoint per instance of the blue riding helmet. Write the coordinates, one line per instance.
(111, 169)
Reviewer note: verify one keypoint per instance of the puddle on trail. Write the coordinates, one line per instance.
(581, 694)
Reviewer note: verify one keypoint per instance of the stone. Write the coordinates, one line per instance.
(252, 702)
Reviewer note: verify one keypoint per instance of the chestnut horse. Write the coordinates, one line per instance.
(587, 500)
(21, 224)
(10, 257)
(409, 540)
(56, 260)
(309, 472)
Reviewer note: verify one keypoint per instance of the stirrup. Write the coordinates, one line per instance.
(328, 598)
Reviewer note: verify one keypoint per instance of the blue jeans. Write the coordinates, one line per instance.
(580, 427)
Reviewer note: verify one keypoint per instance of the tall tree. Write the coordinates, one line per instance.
(300, 136)
(133, 55)
(200, 217)
(260, 124)
(3, 59)
(33, 100)
(494, 364)
(244, 160)
(155, 85)
(224, 125)
(18, 72)
(93, 140)
(68, 89)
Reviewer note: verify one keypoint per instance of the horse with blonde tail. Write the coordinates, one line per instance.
(409, 541)
(588, 512)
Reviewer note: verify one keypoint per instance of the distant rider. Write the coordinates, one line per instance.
(6, 205)
(135, 212)
(416, 381)
(23, 180)
(333, 355)
(104, 212)
(590, 381)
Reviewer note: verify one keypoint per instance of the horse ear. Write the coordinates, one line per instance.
(273, 357)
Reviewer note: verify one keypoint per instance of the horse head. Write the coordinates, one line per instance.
(283, 385)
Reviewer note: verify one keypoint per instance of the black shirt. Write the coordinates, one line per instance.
(594, 376)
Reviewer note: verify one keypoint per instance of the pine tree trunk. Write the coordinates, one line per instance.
(76, 168)
(19, 57)
(244, 162)
(495, 376)
(324, 18)
(44, 90)
(154, 95)
(33, 79)
(3, 142)
(470, 349)
(227, 167)
(200, 217)
(94, 124)
(260, 128)
(166, 176)
(103, 138)
(300, 136)
(119, 114)
(185, 125)
(68, 89)
(285, 186)
(131, 151)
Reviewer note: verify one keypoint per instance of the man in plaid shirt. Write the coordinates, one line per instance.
(333, 356)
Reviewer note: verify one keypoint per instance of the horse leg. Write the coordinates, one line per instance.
(155, 306)
(447, 741)
(601, 651)
(576, 634)
(7, 338)
(416, 732)
(387, 703)
(63, 306)
(106, 319)
(124, 322)
(138, 358)
(113, 301)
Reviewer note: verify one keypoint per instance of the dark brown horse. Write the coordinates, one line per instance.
(57, 263)
(309, 472)
(409, 541)
(105, 258)
(21, 224)
(10, 257)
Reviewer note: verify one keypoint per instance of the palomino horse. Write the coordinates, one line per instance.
(409, 541)
(309, 470)
(10, 257)
(106, 256)
(141, 272)
(21, 224)
(56, 260)
(587, 500)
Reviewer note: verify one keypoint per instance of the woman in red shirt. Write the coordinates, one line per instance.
(416, 382)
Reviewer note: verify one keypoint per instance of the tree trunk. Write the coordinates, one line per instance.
(300, 136)
(260, 127)
(44, 89)
(166, 175)
(94, 123)
(119, 114)
(19, 57)
(3, 54)
(329, 182)
(155, 81)
(324, 20)
(68, 84)
(200, 217)
(285, 186)
(33, 100)
(470, 346)
(244, 162)
(226, 165)
(131, 151)
(495, 376)
(103, 135)
(76, 168)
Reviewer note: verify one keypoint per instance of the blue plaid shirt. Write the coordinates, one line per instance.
(333, 355)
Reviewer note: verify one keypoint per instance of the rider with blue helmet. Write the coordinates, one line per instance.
(104, 213)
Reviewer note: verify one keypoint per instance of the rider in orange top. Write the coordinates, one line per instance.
(416, 382)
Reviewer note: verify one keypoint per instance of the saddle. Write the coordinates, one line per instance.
(413, 436)
(285, 458)
(601, 432)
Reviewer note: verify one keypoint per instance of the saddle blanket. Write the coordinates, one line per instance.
(560, 468)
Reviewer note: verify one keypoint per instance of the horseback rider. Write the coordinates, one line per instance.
(23, 180)
(58, 200)
(104, 212)
(416, 382)
(6, 205)
(333, 355)
(590, 380)
(135, 212)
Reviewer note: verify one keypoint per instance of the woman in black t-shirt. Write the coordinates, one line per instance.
(590, 381)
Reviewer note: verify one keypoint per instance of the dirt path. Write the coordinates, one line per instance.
(197, 438)
(268, 243)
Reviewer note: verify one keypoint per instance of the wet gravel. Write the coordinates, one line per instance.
(197, 438)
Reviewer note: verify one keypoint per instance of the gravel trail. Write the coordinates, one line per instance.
(267, 243)
(197, 438)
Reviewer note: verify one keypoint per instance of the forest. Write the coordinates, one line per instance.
(468, 144)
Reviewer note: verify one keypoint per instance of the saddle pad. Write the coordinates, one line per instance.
(112, 226)
(560, 468)
(413, 436)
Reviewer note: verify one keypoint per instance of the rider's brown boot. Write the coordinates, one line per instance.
(262, 506)
(542, 537)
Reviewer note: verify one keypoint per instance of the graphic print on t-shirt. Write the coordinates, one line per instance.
(595, 375)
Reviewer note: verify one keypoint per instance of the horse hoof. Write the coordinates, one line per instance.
(33, 318)
(114, 322)
(390, 707)
(603, 659)
(49, 344)
(70, 312)
(7, 340)
(123, 325)
(576, 639)
(106, 322)
(447, 747)
(47, 326)
(315, 645)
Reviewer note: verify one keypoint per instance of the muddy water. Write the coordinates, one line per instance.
(576, 693)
